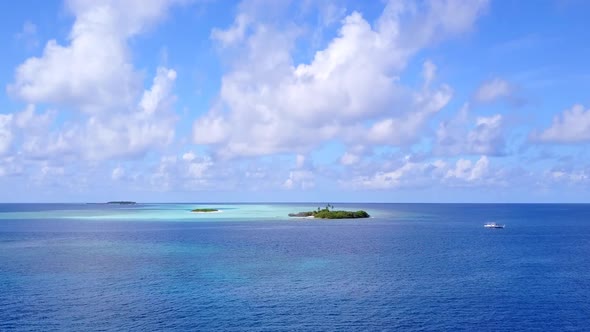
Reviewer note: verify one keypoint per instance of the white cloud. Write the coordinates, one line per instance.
(210, 129)
(10, 166)
(105, 136)
(301, 176)
(118, 173)
(572, 126)
(93, 73)
(269, 104)
(354, 155)
(6, 135)
(162, 178)
(406, 128)
(189, 156)
(330, 13)
(493, 90)
(461, 135)
(302, 179)
(50, 170)
(487, 136)
(408, 174)
(47, 173)
(29, 121)
(131, 16)
(190, 171)
(299, 161)
(234, 34)
(349, 158)
(572, 177)
(151, 126)
(26, 125)
(468, 171)
(197, 168)
(387, 180)
(159, 96)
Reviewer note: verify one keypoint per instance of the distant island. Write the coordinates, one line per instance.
(326, 213)
(206, 210)
(122, 202)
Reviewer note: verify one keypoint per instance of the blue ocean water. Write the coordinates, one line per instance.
(412, 267)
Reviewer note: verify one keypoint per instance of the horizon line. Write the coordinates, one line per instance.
(295, 202)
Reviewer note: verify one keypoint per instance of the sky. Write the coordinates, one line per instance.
(303, 101)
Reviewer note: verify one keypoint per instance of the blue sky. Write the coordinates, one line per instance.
(387, 101)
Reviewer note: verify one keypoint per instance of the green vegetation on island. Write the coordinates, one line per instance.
(205, 210)
(122, 202)
(341, 214)
(326, 213)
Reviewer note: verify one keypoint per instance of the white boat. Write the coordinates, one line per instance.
(493, 225)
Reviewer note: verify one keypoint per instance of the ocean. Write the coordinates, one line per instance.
(411, 267)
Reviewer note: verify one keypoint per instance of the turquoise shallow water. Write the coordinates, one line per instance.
(165, 212)
(413, 267)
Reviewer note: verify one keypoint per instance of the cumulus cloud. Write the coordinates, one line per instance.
(197, 168)
(234, 34)
(303, 179)
(93, 72)
(103, 136)
(467, 171)
(351, 91)
(407, 174)
(355, 154)
(487, 136)
(405, 128)
(410, 173)
(22, 127)
(301, 176)
(31, 121)
(269, 104)
(572, 126)
(463, 135)
(190, 171)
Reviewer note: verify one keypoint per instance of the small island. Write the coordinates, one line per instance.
(122, 202)
(326, 213)
(205, 210)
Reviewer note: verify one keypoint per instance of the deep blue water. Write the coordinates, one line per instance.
(414, 267)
